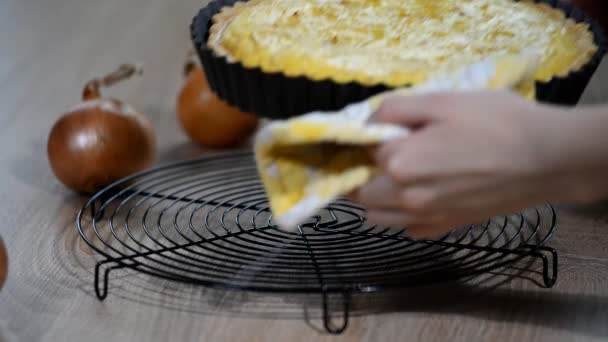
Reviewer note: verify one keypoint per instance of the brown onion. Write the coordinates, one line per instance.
(100, 140)
(205, 118)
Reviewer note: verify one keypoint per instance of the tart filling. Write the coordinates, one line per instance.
(395, 42)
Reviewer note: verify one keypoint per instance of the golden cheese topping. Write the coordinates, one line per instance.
(395, 42)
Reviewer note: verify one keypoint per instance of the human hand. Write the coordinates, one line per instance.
(471, 156)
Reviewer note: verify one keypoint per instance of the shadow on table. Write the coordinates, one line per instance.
(480, 297)
(582, 314)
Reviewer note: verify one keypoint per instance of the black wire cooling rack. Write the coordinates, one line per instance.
(207, 222)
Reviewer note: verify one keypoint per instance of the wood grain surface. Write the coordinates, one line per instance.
(50, 48)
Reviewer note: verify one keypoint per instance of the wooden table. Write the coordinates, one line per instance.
(49, 49)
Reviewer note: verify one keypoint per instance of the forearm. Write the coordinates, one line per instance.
(580, 153)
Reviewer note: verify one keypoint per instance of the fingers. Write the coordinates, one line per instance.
(396, 157)
(411, 111)
(393, 199)
(418, 110)
(380, 192)
(383, 153)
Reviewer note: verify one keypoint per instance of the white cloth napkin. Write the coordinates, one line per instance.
(308, 161)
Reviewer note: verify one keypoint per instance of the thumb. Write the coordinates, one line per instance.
(411, 111)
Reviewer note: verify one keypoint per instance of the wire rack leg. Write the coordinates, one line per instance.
(327, 321)
(101, 290)
(548, 256)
